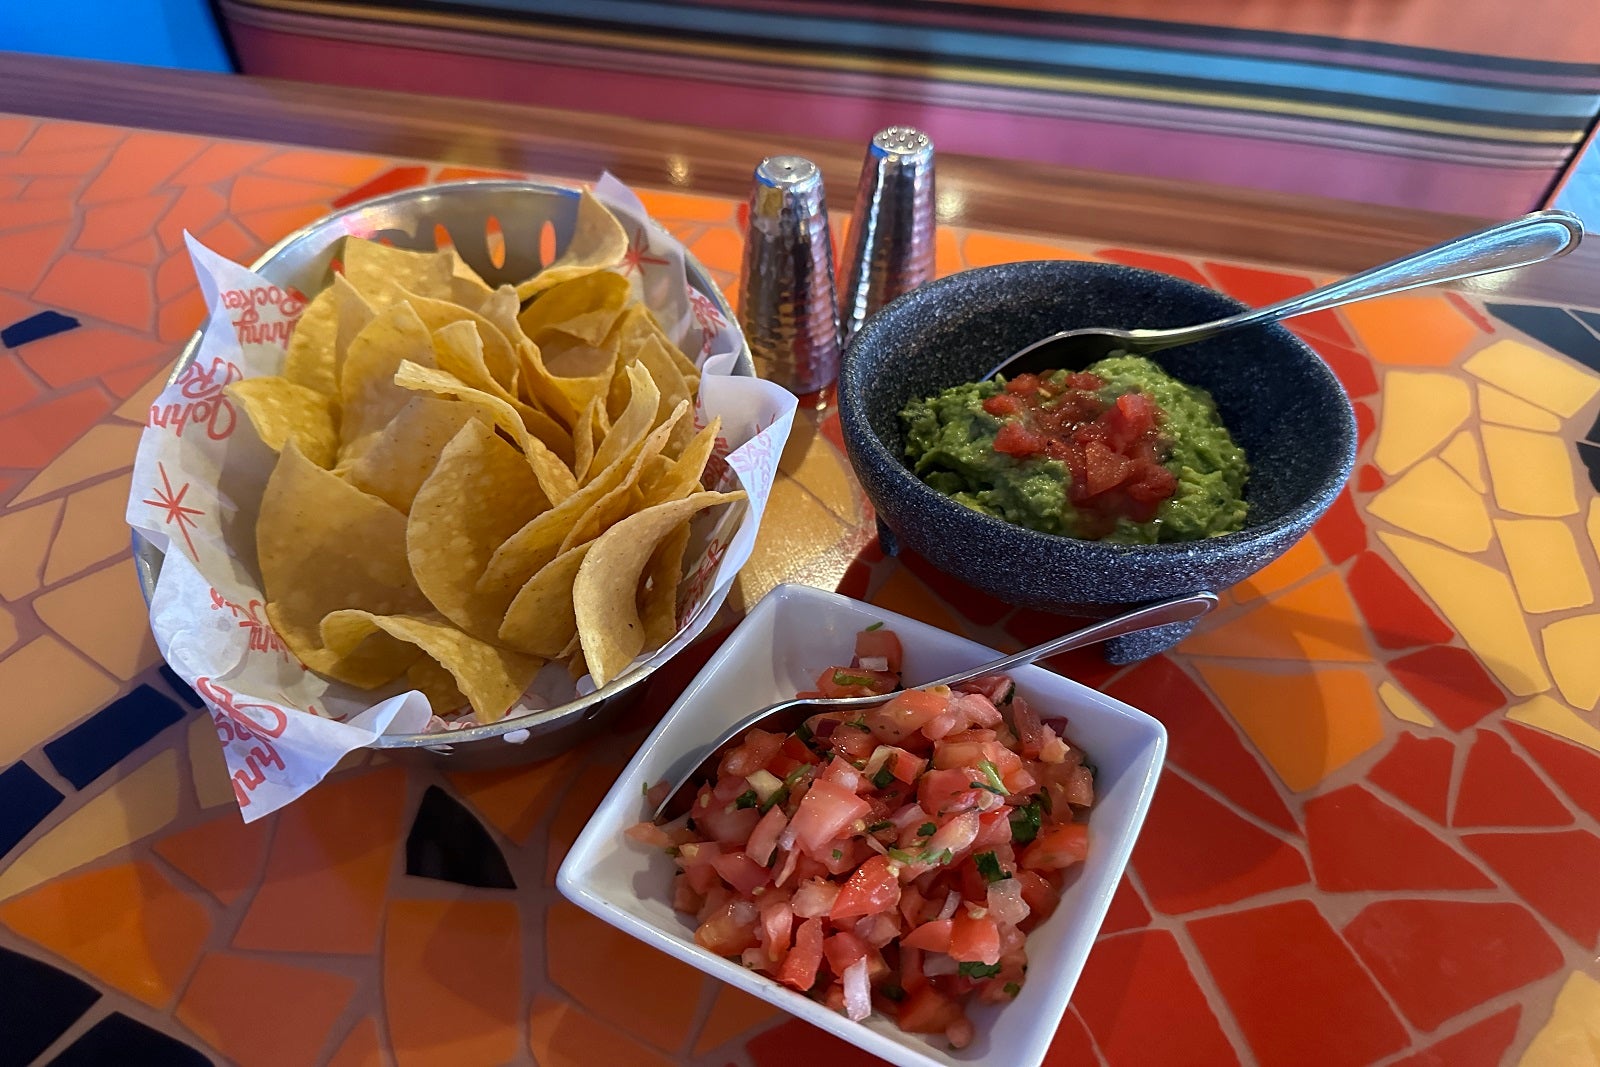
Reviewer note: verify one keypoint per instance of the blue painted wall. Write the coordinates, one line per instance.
(157, 33)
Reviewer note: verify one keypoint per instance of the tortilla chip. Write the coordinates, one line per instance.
(673, 387)
(605, 593)
(378, 270)
(598, 241)
(636, 326)
(555, 479)
(490, 678)
(635, 421)
(498, 357)
(625, 498)
(396, 464)
(323, 545)
(584, 309)
(682, 476)
(584, 436)
(467, 287)
(280, 410)
(323, 334)
(428, 677)
(368, 396)
(540, 619)
(479, 494)
(500, 307)
(658, 597)
(568, 376)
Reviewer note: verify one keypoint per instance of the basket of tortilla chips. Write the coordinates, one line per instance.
(459, 465)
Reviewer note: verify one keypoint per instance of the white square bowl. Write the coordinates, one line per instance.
(778, 650)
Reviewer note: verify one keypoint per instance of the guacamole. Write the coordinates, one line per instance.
(1118, 452)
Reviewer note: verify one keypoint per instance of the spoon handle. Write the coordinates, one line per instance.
(1531, 239)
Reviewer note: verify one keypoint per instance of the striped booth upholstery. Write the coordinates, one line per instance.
(1475, 108)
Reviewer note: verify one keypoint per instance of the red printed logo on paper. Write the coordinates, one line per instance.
(243, 724)
(175, 511)
(204, 404)
(707, 317)
(702, 578)
(286, 302)
(638, 254)
(263, 638)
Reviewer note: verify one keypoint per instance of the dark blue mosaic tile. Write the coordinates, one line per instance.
(25, 799)
(1554, 327)
(119, 1040)
(1590, 454)
(449, 844)
(37, 1005)
(1591, 317)
(184, 690)
(36, 328)
(100, 742)
(1594, 431)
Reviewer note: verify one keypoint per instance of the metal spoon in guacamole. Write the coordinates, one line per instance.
(1519, 243)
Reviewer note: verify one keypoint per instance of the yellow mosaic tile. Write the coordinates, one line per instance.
(137, 407)
(1572, 1035)
(1545, 566)
(92, 530)
(54, 686)
(1531, 472)
(1307, 724)
(1420, 410)
(816, 465)
(133, 808)
(1496, 405)
(1480, 603)
(1546, 713)
(26, 536)
(1538, 377)
(1570, 647)
(1313, 621)
(105, 448)
(103, 615)
(1466, 459)
(212, 786)
(1401, 706)
(784, 549)
(1435, 502)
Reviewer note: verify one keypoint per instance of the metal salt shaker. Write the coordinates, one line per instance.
(892, 229)
(787, 303)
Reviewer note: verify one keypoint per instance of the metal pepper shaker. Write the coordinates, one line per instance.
(787, 302)
(892, 229)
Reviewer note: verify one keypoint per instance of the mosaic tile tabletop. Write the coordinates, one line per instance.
(1377, 839)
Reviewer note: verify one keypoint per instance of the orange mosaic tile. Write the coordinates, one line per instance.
(619, 980)
(587, 790)
(56, 685)
(666, 206)
(334, 169)
(224, 856)
(109, 226)
(260, 1012)
(986, 249)
(89, 351)
(195, 209)
(142, 162)
(1411, 331)
(363, 1048)
(25, 255)
(515, 799)
(94, 285)
(1314, 621)
(104, 449)
(127, 925)
(27, 535)
(452, 981)
(904, 594)
(102, 615)
(91, 529)
(733, 1013)
(33, 436)
(560, 1035)
(1302, 559)
(328, 869)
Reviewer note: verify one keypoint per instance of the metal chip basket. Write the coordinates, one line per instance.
(506, 231)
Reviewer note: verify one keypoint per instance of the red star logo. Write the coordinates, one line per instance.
(705, 313)
(172, 503)
(636, 257)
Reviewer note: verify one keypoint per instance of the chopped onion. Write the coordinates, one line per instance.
(875, 762)
(857, 992)
(753, 958)
(951, 903)
(955, 835)
(743, 912)
(815, 898)
(787, 839)
(873, 663)
(1005, 901)
(877, 846)
(790, 859)
(765, 783)
(910, 815)
(936, 963)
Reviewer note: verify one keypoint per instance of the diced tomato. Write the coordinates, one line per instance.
(684, 898)
(842, 854)
(1002, 404)
(799, 970)
(842, 949)
(648, 834)
(873, 888)
(977, 709)
(825, 813)
(856, 682)
(852, 742)
(731, 930)
(1030, 731)
(881, 644)
(946, 792)
(726, 823)
(841, 774)
(927, 1011)
(741, 872)
(764, 838)
(974, 940)
(930, 936)
(1039, 894)
(795, 750)
(777, 921)
(994, 828)
(905, 713)
(1057, 846)
(752, 755)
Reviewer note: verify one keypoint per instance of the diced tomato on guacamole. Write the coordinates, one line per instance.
(892, 859)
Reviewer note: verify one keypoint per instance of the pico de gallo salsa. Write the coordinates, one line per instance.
(890, 859)
(1120, 451)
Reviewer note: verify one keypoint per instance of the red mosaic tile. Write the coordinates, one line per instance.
(1323, 1006)
(1258, 288)
(197, 208)
(181, 317)
(1139, 1000)
(1451, 683)
(1087, 666)
(1369, 479)
(1555, 873)
(1353, 369)
(1072, 1047)
(1178, 268)
(452, 981)
(99, 287)
(980, 607)
(1201, 740)
(1341, 828)
(68, 136)
(88, 352)
(1395, 614)
(1127, 911)
(1479, 1045)
(1366, 424)
(1575, 770)
(389, 181)
(1417, 771)
(17, 387)
(362, 1048)
(142, 162)
(34, 436)
(1340, 532)
(144, 252)
(223, 856)
(856, 580)
(113, 225)
(800, 1042)
(26, 254)
(1195, 853)
(227, 238)
(1439, 958)
(222, 160)
(1470, 310)
(1498, 789)
(459, 174)
(328, 871)
(28, 213)
(124, 383)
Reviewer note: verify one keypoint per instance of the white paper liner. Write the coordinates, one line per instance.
(200, 472)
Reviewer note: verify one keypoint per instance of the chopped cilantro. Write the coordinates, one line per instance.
(1046, 803)
(892, 992)
(1025, 821)
(877, 626)
(747, 799)
(884, 825)
(846, 678)
(674, 851)
(978, 970)
(989, 866)
(1012, 989)
(884, 776)
(859, 722)
(644, 788)
(838, 855)
(926, 829)
(992, 773)
(987, 786)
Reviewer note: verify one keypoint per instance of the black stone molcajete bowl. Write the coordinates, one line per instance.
(1279, 400)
